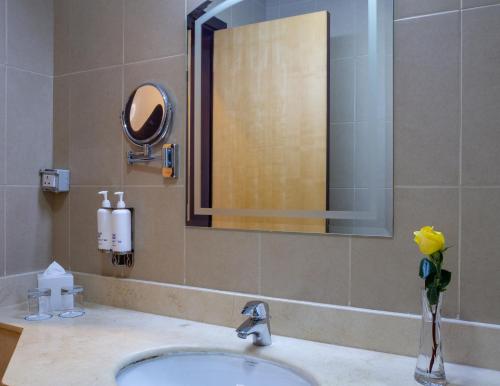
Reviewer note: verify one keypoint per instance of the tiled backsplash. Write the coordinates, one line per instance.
(447, 87)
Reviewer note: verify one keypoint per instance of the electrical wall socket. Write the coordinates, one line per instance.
(54, 180)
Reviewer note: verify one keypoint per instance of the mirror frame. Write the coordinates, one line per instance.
(165, 126)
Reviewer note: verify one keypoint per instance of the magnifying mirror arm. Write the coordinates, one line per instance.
(142, 157)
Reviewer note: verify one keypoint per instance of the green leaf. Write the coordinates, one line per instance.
(427, 268)
(432, 295)
(429, 280)
(445, 279)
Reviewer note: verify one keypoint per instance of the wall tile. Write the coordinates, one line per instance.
(28, 233)
(170, 73)
(29, 128)
(225, 260)
(154, 29)
(342, 94)
(342, 200)
(159, 233)
(30, 38)
(95, 129)
(60, 130)
(2, 232)
(3, 145)
(192, 4)
(426, 91)
(478, 3)
(481, 92)
(3, 57)
(96, 34)
(342, 25)
(341, 155)
(373, 154)
(366, 108)
(385, 271)
(408, 8)
(62, 37)
(480, 287)
(305, 267)
(59, 205)
(85, 257)
(293, 8)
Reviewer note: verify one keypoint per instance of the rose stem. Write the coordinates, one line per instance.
(434, 345)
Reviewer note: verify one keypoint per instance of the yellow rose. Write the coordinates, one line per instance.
(429, 240)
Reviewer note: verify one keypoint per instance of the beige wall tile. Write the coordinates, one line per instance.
(30, 130)
(480, 270)
(60, 130)
(14, 289)
(96, 33)
(85, 257)
(305, 267)
(3, 145)
(408, 8)
(154, 29)
(30, 37)
(95, 129)
(192, 4)
(481, 92)
(170, 73)
(159, 233)
(478, 3)
(3, 56)
(62, 38)
(385, 271)
(426, 92)
(28, 231)
(226, 260)
(2, 231)
(59, 204)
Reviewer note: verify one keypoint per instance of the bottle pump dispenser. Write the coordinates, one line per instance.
(121, 219)
(104, 232)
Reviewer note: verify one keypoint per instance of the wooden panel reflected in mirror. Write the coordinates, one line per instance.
(268, 154)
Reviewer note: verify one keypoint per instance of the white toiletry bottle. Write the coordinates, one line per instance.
(104, 232)
(121, 220)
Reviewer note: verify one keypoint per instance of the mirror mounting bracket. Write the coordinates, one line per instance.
(142, 157)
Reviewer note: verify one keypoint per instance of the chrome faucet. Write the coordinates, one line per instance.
(257, 324)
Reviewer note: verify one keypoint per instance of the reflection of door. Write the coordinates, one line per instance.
(270, 121)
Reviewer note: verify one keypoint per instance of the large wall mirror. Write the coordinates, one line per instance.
(290, 116)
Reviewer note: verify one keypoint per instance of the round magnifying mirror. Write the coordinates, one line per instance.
(147, 115)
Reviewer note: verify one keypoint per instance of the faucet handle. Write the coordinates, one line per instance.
(256, 310)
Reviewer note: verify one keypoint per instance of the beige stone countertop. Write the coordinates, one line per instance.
(91, 349)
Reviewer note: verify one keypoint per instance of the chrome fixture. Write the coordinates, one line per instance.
(257, 324)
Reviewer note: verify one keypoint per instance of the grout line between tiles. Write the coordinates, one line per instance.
(115, 66)
(460, 170)
(8, 66)
(427, 15)
(479, 7)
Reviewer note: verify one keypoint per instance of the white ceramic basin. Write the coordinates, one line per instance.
(208, 369)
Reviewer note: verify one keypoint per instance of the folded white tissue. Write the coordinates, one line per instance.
(55, 278)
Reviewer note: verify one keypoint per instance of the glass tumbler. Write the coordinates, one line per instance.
(38, 304)
(72, 302)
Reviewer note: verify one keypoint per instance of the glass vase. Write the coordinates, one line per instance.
(430, 362)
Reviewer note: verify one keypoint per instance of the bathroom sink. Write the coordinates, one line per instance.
(208, 369)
